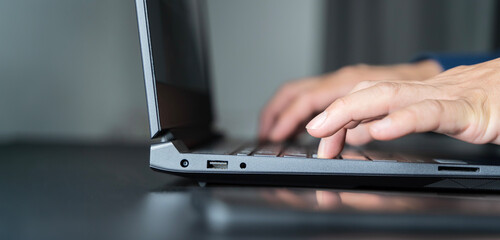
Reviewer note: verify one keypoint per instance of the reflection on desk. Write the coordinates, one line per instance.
(292, 212)
(71, 191)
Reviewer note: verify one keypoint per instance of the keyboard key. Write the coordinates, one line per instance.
(295, 152)
(412, 158)
(269, 150)
(351, 154)
(384, 156)
(245, 151)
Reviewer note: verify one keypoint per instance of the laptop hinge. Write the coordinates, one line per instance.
(167, 137)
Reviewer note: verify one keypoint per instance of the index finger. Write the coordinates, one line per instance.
(375, 101)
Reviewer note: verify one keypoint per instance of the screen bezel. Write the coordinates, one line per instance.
(172, 108)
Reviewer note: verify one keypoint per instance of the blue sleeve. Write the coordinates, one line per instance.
(451, 60)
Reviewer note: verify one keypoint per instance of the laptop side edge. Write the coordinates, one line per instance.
(148, 67)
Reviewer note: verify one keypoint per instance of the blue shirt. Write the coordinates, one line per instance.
(451, 60)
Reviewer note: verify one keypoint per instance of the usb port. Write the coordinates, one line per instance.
(217, 164)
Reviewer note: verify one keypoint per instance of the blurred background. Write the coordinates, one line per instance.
(70, 70)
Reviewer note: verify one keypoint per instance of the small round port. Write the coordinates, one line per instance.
(184, 163)
(243, 165)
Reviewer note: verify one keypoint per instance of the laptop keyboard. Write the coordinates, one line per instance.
(295, 150)
(349, 153)
(290, 150)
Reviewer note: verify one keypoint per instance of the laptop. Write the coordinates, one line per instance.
(176, 64)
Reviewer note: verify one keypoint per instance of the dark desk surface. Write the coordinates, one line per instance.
(54, 191)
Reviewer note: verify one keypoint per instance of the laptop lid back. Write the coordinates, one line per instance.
(175, 64)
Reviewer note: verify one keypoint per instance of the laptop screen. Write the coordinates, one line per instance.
(179, 45)
(179, 65)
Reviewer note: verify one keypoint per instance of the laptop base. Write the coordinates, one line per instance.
(174, 158)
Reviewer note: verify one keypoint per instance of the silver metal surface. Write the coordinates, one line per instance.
(164, 156)
(148, 69)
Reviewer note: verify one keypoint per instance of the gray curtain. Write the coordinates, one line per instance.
(390, 31)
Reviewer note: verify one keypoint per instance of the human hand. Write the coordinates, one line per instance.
(296, 102)
(463, 102)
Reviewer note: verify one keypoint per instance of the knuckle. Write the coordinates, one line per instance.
(410, 114)
(478, 95)
(388, 88)
(480, 116)
(340, 103)
(434, 106)
(477, 103)
(363, 85)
